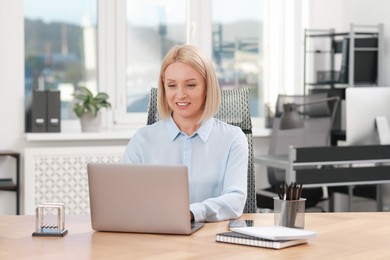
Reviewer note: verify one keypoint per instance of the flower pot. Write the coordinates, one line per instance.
(90, 123)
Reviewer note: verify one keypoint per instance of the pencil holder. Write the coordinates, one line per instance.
(289, 213)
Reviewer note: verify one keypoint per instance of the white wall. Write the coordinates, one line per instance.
(339, 14)
(11, 74)
(11, 90)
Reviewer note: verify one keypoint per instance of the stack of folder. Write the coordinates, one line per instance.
(43, 111)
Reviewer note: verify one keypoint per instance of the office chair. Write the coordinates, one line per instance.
(315, 132)
(234, 110)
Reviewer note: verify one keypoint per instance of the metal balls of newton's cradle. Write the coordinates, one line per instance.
(44, 229)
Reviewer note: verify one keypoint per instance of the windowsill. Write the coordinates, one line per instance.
(79, 136)
(71, 131)
(106, 135)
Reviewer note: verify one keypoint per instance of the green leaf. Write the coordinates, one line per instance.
(89, 102)
(78, 109)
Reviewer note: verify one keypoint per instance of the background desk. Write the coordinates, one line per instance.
(334, 166)
(341, 236)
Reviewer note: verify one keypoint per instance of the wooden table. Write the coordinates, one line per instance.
(341, 236)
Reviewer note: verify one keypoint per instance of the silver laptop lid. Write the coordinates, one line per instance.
(139, 198)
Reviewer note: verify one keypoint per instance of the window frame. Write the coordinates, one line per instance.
(196, 17)
(280, 56)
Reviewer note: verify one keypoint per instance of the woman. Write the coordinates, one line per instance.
(215, 153)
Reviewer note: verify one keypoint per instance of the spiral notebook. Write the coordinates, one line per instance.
(241, 239)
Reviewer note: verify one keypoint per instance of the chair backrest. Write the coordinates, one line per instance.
(234, 110)
(316, 130)
(153, 115)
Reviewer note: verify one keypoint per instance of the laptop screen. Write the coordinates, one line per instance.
(139, 198)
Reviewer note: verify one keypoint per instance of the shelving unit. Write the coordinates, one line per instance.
(7, 184)
(339, 60)
(334, 61)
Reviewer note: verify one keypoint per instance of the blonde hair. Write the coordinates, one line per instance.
(193, 57)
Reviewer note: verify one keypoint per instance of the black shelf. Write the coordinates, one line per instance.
(7, 184)
(333, 50)
(341, 34)
(11, 187)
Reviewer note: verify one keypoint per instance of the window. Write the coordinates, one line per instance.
(237, 48)
(60, 47)
(245, 39)
(234, 42)
(148, 38)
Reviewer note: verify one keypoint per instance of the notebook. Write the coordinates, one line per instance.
(140, 198)
(242, 239)
(276, 232)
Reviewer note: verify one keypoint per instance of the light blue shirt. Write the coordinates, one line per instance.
(216, 156)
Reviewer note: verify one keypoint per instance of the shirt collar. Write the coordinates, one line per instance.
(203, 131)
(173, 130)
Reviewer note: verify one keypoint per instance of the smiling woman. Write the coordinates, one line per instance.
(188, 134)
(186, 69)
(185, 91)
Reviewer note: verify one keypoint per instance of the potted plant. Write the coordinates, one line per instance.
(88, 108)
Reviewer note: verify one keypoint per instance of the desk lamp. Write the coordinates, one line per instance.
(291, 119)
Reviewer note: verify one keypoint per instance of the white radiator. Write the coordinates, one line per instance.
(60, 175)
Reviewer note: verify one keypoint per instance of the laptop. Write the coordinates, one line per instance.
(140, 198)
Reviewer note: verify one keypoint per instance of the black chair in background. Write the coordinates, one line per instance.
(315, 132)
(234, 110)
